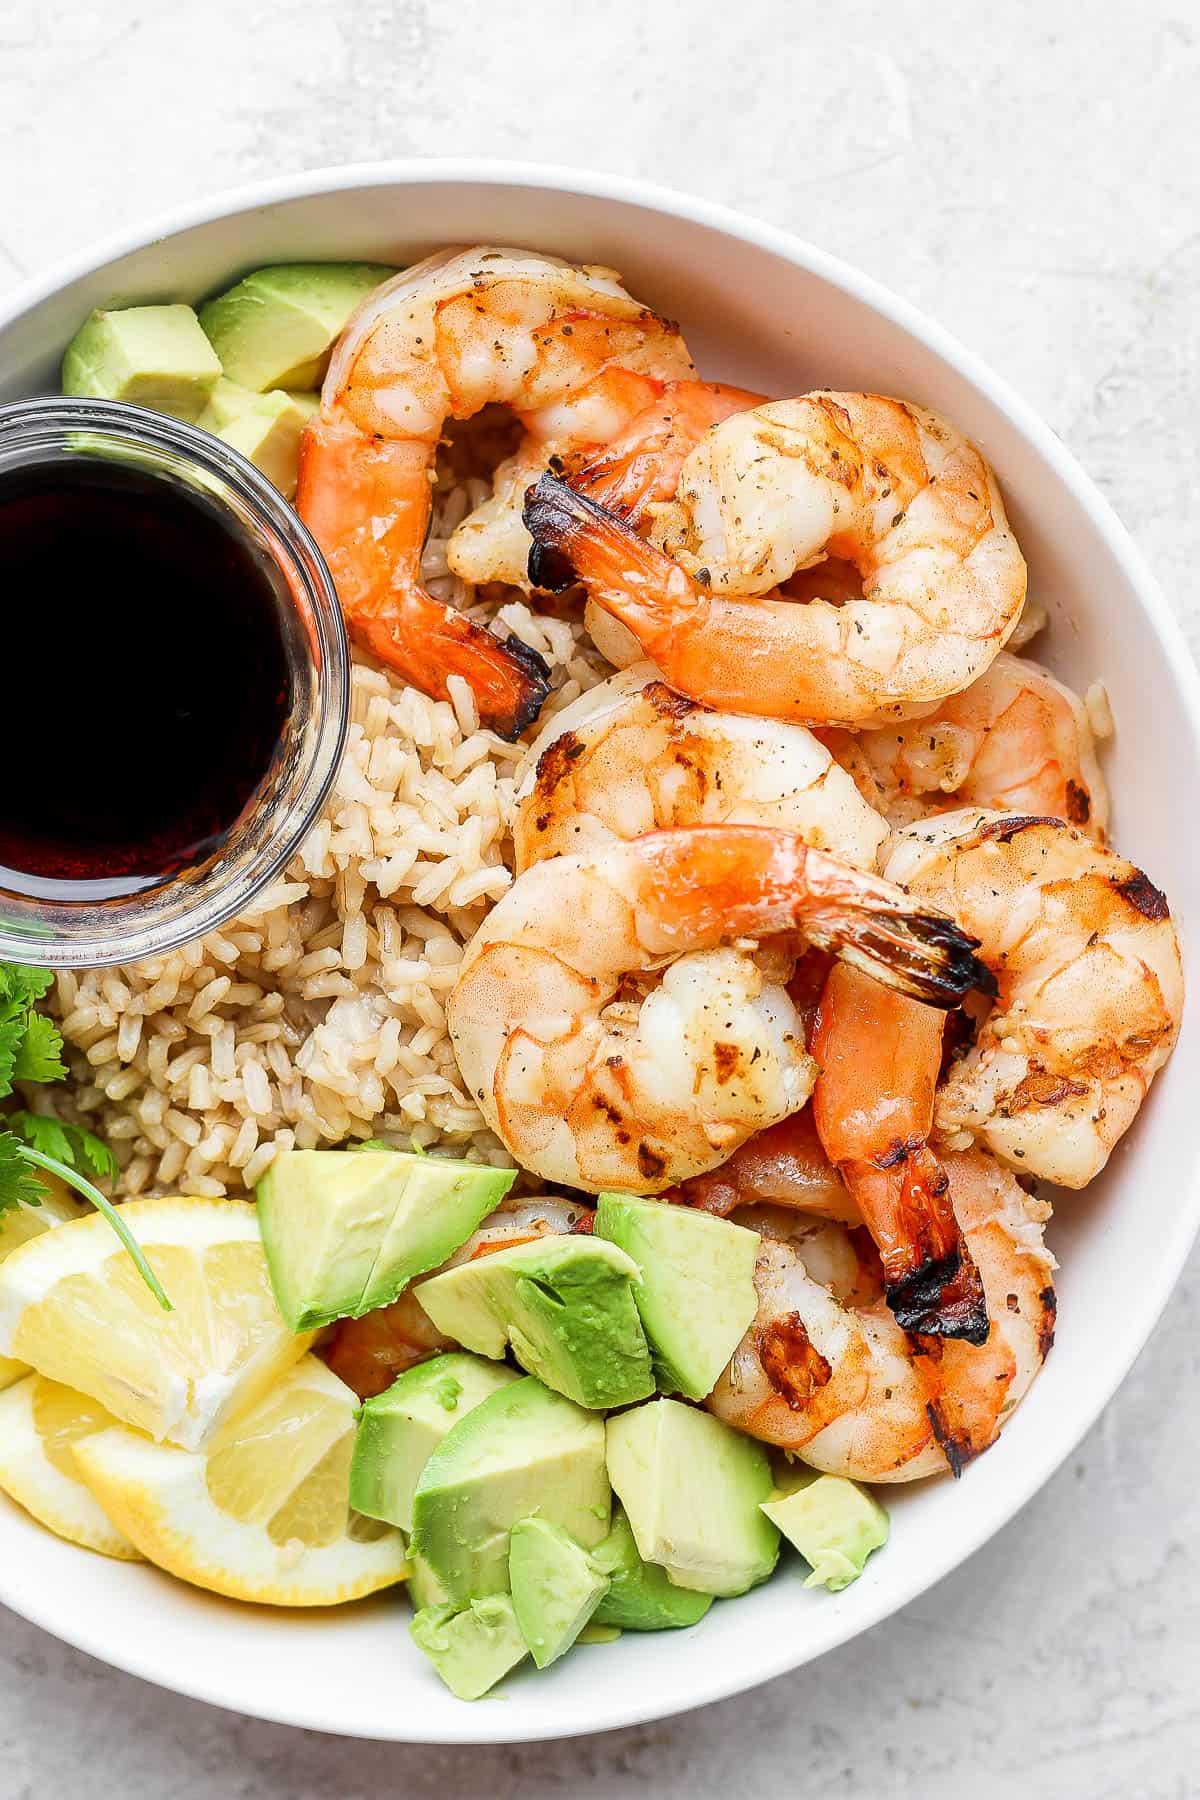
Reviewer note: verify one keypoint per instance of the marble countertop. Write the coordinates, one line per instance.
(1028, 173)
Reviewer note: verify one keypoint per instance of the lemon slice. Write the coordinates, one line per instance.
(74, 1307)
(265, 1514)
(17, 1226)
(39, 1422)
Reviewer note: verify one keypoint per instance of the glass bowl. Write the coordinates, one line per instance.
(90, 933)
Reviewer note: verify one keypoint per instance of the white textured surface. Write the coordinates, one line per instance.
(1028, 173)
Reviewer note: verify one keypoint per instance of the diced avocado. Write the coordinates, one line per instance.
(473, 1649)
(555, 1587)
(154, 356)
(345, 1233)
(564, 1304)
(265, 428)
(276, 327)
(424, 1588)
(399, 1430)
(833, 1523)
(522, 1450)
(641, 1596)
(598, 1634)
(696, 1296)
(692, 1488)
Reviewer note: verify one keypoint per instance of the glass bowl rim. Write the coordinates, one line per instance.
(115, 934)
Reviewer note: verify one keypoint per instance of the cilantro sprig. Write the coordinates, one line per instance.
(31, 1050)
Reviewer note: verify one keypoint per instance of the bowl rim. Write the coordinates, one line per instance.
(990, 1512)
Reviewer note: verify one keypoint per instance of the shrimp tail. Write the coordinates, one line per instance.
(874, 927)
(349, 485)
(576, 539)
(931, 1282)
(509, 679)
(556, 516)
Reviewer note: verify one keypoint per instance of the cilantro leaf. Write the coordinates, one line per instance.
(30, 1045)
(12, 1034)
(22, 986)
(31, 1050)
(70, 1144)
(17, 1181)
(45, 1134)
(89, 1149)
(40, 1056)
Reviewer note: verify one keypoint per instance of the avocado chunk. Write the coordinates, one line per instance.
(264, 428)
(473, 1649)
(564, 1304)
(692, 1488)
(346, 1233)
(833, 1523)
(276, 327)
(641, 1596)
(696, 1296)
(154, 356)
(424, 1588)
(522, 1450)
(555, 1587)
(399, 1430)
(598, 1634)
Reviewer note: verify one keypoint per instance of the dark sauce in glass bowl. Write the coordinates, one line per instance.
(146, 684)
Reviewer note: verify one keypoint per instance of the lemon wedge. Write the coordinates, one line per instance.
(264, 1514)
(17, 1226)
(74, 1307)
(39, 1422)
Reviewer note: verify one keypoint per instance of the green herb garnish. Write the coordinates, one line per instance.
(31, 1050)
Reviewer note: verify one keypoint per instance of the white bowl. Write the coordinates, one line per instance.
(764, 309)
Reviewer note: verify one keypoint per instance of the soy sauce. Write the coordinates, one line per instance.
(145, 685)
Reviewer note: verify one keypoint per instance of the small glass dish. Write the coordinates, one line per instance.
(84, 933)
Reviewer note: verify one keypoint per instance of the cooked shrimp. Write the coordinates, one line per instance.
(593, 1081)
(883, 485)
(826, 1372)
(1016, 739)
(491, 543)
(880, 1055)
(368, 1353)
(784, 1166)
(1090, 986)
(626, 452)
(565, 347)
(637, 470)
(523, 1221)
(631, 756)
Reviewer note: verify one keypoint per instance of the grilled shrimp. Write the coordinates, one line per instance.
(631, 756)
(523, 1221)
(1016, 739)
(825, 1371)
(626, 454)
(636, 472)
(877, 483)
(1090, 986)
(617, 1030)
(784, 1166)
(368, 1353)
(880, 1054)
(565, 347)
